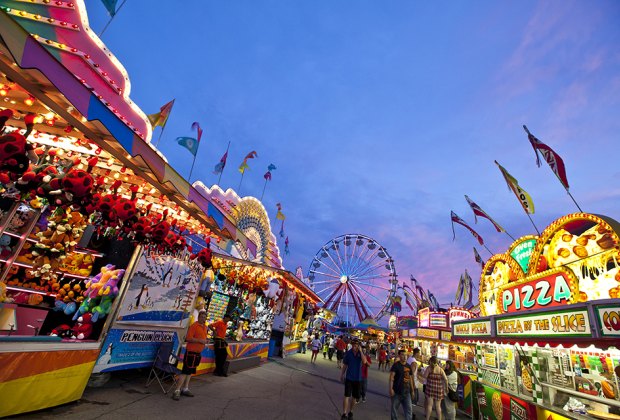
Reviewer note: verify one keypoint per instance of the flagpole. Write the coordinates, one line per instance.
(220, 177)
(511, 237)
(556, 175)
(239, 188)
(192, 169)
(160, 134)
(487, 248)
(530, 217)
(264, 186)
(110, 21)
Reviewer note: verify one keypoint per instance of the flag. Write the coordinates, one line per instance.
(219, 168)
(244, 164)
(478, 258)
(270, 168)
(286, 250)
(459, 291)
(280, 216)
(189, 143)
(456, 219)
(467, 289)
(110, 6)
(196, 126)
(553, 159)
(432, 301)
(522, 195)
(409, 297)
(160, 118)
(479, 212)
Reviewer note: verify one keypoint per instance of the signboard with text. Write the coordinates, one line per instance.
(565, 323)
(557, 289)
(446, 336)
(474, 328)
(428, 333)
(609, 320)
(424, 317)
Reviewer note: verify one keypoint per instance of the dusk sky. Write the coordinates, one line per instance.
(381, 115)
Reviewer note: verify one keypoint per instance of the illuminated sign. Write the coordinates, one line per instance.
(455, 314)
(405, 333)
(557, 289)
(438, 319)
(424, 315)
(522, 253)
(427, 333)
(472, 329)
(446, 336)
(413, 332)
(567, 323)
(609, 320)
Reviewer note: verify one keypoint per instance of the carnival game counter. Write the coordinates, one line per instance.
(237, 350)
(40, 369)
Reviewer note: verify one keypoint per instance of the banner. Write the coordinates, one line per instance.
(474, 328)
(609, 320)
(565, 323)
(161, 291)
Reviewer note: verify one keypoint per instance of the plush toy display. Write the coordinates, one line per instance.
(5, 246)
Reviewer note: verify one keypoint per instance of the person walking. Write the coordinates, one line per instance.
(436, 387)
(332, 347)
(382, 358)
(315, 345)
(449, 402)
(304, 341)
(365, 372)
(351, 376)
(325, 346)
(402, 385)
(220, 346)
(340, 348)
(196, 340)
(415, 367)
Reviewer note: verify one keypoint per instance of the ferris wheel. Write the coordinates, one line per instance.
(355, 277)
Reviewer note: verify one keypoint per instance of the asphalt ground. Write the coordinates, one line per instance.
(290, 388)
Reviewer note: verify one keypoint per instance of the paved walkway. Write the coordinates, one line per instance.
(290, 388)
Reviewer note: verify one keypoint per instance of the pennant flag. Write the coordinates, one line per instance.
(244, 164)
(522, 195)
(554, 160)
(410, 297)
(467, 289)
(456, 219)
(219, 168)
(479, 212)
(478, 258)
(280, 216)
(271, 167)
(286, 250)
(161, 118)
(432, 301)
(110, 6)
(189, 143)
(267, 176)
(196, 126)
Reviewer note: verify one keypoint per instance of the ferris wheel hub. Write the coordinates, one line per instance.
(344, 279)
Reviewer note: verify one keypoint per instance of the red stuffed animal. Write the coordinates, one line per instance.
(83, 328)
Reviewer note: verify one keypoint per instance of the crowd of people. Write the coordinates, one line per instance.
(432, 386)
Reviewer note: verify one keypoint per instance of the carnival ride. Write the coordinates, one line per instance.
(355, 278)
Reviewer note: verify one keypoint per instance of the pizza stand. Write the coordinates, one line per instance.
(96, 271)
(547, 341)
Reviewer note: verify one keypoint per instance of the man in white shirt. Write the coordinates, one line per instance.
(304, 341)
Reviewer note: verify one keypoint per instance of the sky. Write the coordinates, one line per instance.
(381, 115)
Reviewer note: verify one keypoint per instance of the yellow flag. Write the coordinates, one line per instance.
(522, 195)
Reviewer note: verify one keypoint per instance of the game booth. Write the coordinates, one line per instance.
(105, 250)
(547, 342)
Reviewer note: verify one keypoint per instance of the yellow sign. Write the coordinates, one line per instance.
(446, 336)
(427, 333)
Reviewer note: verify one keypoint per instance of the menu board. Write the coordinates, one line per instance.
(217, 307)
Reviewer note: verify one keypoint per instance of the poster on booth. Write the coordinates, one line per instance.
(491, 404)
(132, 348)
(161, 291)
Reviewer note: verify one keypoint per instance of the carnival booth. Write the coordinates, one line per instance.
(433, 337)
(104, 248)
(547, 341)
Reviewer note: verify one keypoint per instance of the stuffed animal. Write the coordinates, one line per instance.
(5, 247)
(83, 327)
(62, 331)
(13, 157)
(103, 308)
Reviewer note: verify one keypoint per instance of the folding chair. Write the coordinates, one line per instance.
(164, 368)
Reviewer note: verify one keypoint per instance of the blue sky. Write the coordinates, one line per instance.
(381, 115)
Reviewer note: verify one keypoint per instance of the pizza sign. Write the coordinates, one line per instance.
(556, 289)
